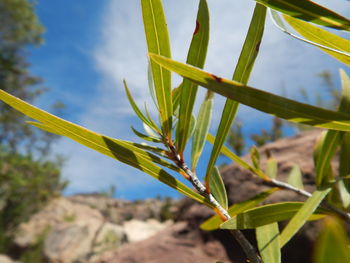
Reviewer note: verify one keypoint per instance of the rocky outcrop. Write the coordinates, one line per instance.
(72, 232)
(118, 211)
(76, 230)
(137, 230)
(6, 259)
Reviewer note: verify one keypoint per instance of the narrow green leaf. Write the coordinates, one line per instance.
(202, 128)
(161, 152)
(151, 85)
(261, 100)
(158, 43)
(344, 164)
(271, 169)
(332, 244)
(122, 151)
(218, 188)
(267, 237)
(146, 137)
(255, 157)
(324, 152)
(331, 141)
(196, 57)
(215, 221)
(302, 215)
(176, 92)
(338, 47)
(309, 11)
(136, 109)
(267, 214)
(242, 72)
(149, 131)
(295, 177)
(235, 158)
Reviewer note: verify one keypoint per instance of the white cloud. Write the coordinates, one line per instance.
(121, 53)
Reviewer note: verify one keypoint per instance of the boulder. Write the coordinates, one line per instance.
(72, 232)
(137, 230)
(6, 259)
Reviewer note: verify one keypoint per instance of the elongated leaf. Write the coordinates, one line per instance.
(255, 157)
(145, 137)
(136, 109)
(235, 158)
(344, 164)
(196, 57)
(332, 244)
(218, 188)
(117, 149)
(261, 100)
(324, 151)
(332, 139)
(295, 177)
(202, 128)
(271, 170)
(151, 85)
(158, 42)
(268, 243)
(215, 221)
(302, 215)
(242, 72)
(338, 47)
(176, 92)
(309, 11)
(267, 214)
(161, 152)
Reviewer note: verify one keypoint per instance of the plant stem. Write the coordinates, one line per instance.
(287, 186)
(248, 248)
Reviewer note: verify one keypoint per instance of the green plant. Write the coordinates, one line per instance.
(175, 107)
(26, 185)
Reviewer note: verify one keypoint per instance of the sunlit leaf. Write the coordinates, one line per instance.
(261, 100)
(331, 141)
(267, 237)
(217, 188)
(176, 92)
(136, 109)
(344, 164)
(255, 157)
(145, 137)
(158, 43)
(150, 84)
(330, 43)
(332, 244)
(295, 177)
(215, 221)
(196, 56)
(271, 169)
(202, 128)
(309, 11)
(267, 214)
(122, 151)
(302, 215)
(242, 72)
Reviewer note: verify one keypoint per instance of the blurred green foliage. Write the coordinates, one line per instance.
(28, 179)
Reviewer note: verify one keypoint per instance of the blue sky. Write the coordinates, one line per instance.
(90, 46)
